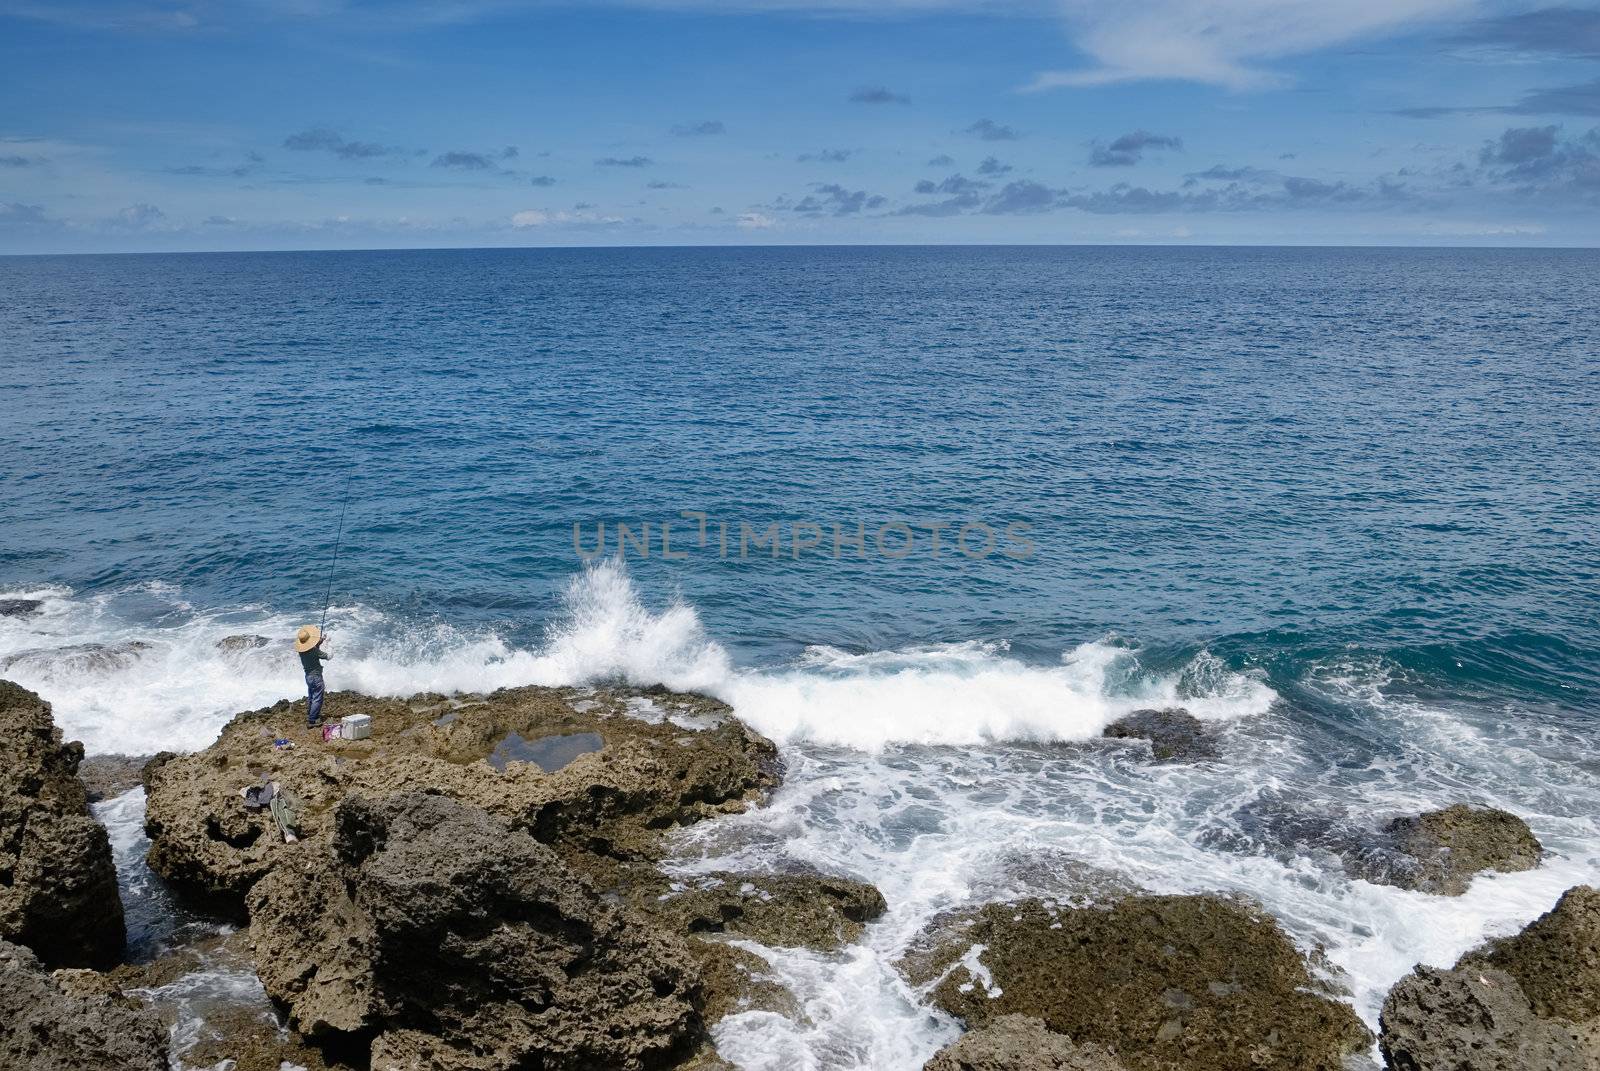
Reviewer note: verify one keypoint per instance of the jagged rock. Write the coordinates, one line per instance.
(614, 803)
(105, 776)
(781, 910)
(243, 642)
(1174, 734)
(20, 607)
(1556, 959)
(58, 885)
(79, 658)
(48, 1026)
(1530, 1002)
(1199, 982)
(154, 763)
(737, 980)
(1019, 1043)
(1453, 845)
(456, 942)
(1472, 1020)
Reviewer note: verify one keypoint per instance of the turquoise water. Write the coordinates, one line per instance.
(1340, 503)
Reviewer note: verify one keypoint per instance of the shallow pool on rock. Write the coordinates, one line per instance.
(549, 753)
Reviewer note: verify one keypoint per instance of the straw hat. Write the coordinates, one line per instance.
(308, 637)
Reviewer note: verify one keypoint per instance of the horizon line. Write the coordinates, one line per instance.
(799, 245)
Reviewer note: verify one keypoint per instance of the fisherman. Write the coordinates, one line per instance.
(308, 645)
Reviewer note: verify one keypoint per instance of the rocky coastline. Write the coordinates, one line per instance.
(480, 885)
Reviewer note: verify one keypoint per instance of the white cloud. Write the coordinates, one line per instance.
(538, 217)
(1220, 41)
(755, 221)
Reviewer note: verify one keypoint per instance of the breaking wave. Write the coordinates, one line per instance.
(140, 670)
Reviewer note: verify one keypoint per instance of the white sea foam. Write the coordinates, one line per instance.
(153, 677)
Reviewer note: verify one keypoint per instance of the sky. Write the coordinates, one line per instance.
(135, 125)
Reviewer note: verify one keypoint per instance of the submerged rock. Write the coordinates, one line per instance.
(781, 910)
(242, 642)
(1019, 1043)
(1438, 852)
(207, 996)
(612, 804)
(105, 776)
(58, 885)
(1452, 846)
(20, 607)
(46, 1025)
(80, 658)
(1530, 1002)
(1174, 734)
(1199, 982)
(454, 941)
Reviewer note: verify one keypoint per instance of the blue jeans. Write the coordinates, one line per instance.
(314, 711)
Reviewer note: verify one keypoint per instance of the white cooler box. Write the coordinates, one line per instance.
(355, 727)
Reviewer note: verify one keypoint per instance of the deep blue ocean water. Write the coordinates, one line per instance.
(1342, 502)
(1283, 449)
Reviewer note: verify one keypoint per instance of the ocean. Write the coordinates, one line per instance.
(928, 517)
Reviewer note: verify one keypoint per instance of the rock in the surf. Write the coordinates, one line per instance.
(1529, 1002)
(781, 910)
(1200, 982)
(59, 893)
(20, 607)
(105, 776)
(79, 659)
(454, 941)
(1174, 734)
(48, 1026)
(242, 642)
(1019, 1043)
(632, 779)
(1442, 851)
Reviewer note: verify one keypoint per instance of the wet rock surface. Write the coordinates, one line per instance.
(79, 659)
(1439, 852)
(686, 759)
(213, 1008)
(105, 776)
(781, 910)
(1019, 1043)
(1199, 982)
(20, 607)
(737, 980)
(58, 886)
(454, 941)
(1174, 734)
(242, 642)
(46, 1025)
(1450, 847)
(1530, 1002)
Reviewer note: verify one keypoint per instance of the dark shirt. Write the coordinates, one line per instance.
(311, 661)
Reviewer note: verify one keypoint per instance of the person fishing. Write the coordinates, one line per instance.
(309, 640)
(308, 645)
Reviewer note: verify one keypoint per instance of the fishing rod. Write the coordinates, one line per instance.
(338, 540)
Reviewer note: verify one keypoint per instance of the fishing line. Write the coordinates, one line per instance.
(337, 542)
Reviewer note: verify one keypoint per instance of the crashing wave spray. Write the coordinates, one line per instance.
(161, 680)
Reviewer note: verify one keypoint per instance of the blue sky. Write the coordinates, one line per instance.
(260, 124)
